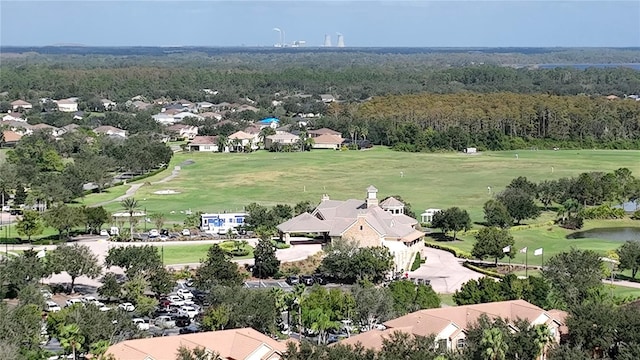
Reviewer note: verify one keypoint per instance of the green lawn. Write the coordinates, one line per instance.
(623, 291)
(551, 238)
(193, 253)
(227, 182)
(447, 299)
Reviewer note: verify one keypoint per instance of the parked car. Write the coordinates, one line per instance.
(127, 306)
(186, 232)
(104, 232)
(153, 233)
(176, 300)
(46, 294)
(181, 320)
(51, 306)
(307, 280)
(88, 299)
(191, 329)
(320, 279)
(164, 322)
(184, 294)
(189, 311)
(141, 323)
(293, 280)
(72, 302)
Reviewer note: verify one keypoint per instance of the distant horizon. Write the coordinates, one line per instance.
(363, 24)
(324, 47)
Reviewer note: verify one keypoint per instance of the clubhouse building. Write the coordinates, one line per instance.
(367, 222)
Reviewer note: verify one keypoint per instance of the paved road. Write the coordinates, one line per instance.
(444, 270)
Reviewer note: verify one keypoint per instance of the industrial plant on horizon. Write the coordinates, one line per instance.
(282, 40)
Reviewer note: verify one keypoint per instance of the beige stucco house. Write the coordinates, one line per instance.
(367, 222)
(449, 325)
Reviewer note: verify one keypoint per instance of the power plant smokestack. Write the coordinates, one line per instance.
(340, 40)
(327, 40)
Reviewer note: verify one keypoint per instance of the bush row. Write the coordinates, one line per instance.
(456, 252)
(482, 270)
(602, 212)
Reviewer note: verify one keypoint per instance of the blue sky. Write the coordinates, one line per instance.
(445, 23)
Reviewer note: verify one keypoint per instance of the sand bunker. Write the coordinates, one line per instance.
(166, 192)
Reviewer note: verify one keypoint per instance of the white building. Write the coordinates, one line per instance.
(427, 215)
(221, 223)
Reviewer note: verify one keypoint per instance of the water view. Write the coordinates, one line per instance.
(616, 234)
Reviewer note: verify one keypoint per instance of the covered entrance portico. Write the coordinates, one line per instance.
(303, 224)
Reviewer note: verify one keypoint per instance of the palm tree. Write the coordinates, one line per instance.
(495, 348)
(298, 297)
(542, 337)
(70, 338)
(364, 132)
(197, 353)
(99, 348)
(130, 205)
(223, 142)
(321, 323)
(267, 131)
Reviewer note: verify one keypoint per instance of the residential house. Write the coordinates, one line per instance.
(78, 115)
(246, 108)
(327, 141)
(366, 222)
(253, 130)
(67, 105)
(211, 115)
(110, 131)
(139, 105)
(233, 344)
(186, 114)
(47, 128)
(183, 131)
(20, 127)
(240, 140)
(14, 116)
(20, 105)
(108, 104)
(9, 138)
(204, 143)
(323, 131)
(449, 325)
(327, 98)
(271, 122)
(70, 128)
(204, 105)
(164, 118)
(283, 139)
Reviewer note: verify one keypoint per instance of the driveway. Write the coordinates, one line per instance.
(444, 270)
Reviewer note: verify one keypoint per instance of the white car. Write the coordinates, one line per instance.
(189, 311)
(176, 300)
(141, 324)
(186, 232)
(164, 322)
(103, 307)
(51, 306)
(72, 302)
(154, 233)
(104, 232)
(185, 294)
(127, 306)
(88, 299)
(46, 294)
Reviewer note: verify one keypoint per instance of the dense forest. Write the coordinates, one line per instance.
(411, 101)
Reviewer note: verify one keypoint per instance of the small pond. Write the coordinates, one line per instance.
(616, 233)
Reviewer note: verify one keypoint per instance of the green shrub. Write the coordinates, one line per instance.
(456, 252)
(636, 215)
(239, 252)
(416, 262)
(602, 212)
(280, 245)
(481, 270)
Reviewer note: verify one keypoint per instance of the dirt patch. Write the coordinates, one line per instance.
(187, 162)
(166, 192)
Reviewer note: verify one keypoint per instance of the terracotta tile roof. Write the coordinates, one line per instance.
(19, 103)
(11, 136)
(324, 131)
(434, 321)
(43, 126)
(236, 344)
(252, 129)
(328, 139)
(204, 140)
(241, 135)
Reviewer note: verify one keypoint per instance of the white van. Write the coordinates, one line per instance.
(51, 306)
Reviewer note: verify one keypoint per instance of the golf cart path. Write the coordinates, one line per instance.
(133, 188)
